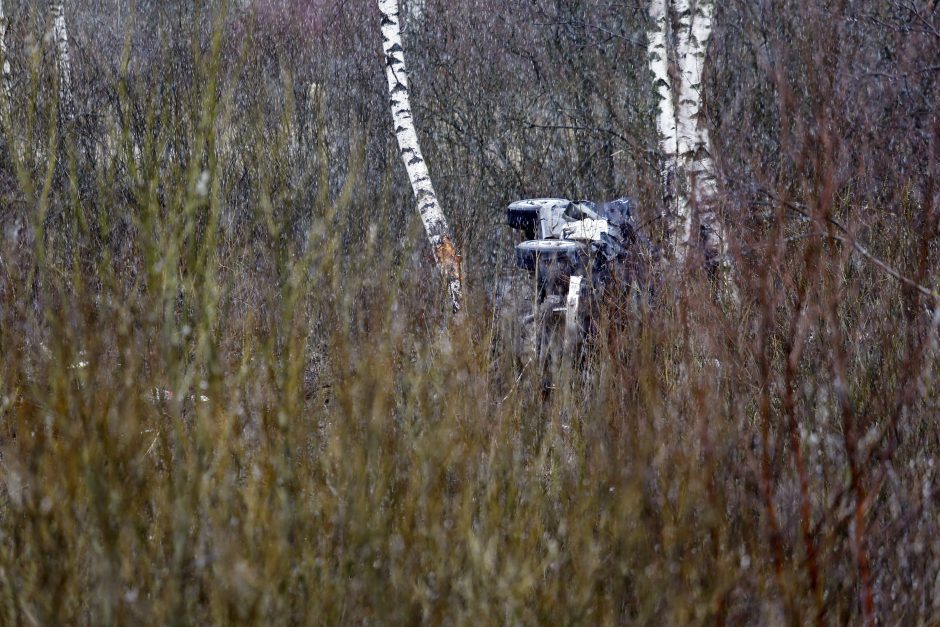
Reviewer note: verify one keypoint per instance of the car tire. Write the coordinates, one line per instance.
(541, 253)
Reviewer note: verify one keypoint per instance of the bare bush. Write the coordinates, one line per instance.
(229, 393)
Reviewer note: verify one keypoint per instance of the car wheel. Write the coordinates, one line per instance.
(538, 253)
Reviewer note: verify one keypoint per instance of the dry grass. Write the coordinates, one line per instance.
(229, 394)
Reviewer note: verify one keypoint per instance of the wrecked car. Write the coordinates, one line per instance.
(576, 251)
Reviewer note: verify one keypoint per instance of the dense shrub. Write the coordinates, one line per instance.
(230, 391)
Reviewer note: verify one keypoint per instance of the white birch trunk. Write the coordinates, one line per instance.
(60, 34)
(695, 156)
(686, 107)
(684, 138)
(677, 212)
(432, 216)
(6, 80)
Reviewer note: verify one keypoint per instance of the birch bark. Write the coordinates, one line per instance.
(432, 216)
(60, 34)
(6, 80)
(695, 156)
(690, 184)
(666, 124)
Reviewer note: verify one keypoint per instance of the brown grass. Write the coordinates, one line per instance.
(231, 391)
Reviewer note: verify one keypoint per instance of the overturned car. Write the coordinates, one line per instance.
(576, 252)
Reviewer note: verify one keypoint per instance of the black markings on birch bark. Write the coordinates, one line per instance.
(658, 59)
(6, 80)
(688, 172)
(432, 216)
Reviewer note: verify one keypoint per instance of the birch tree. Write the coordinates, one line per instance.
(678, 217)
(6, 80)
(688, 170)
(60, 35)
(432, 216)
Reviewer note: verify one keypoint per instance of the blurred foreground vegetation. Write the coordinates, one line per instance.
(231, 392)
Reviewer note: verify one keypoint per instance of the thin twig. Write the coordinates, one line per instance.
(515, 385)
(850, 239)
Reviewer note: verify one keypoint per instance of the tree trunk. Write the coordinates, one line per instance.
(695, 158)
(60, 34)
(435, 224)
(6, 80)
(677, 213)
(689, 180)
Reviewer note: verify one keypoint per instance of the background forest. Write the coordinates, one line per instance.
(232, 391)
